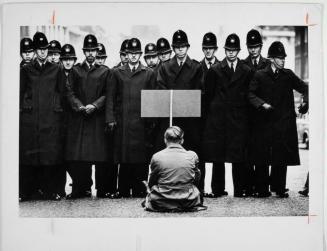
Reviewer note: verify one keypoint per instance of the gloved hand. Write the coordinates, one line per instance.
(303, 108)
(267, 107)
(110, 127)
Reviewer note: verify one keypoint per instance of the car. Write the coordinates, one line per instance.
(302, 123)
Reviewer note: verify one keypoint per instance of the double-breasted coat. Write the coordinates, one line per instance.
(188, 77)
(86, 139)
(124, 107)
(226, 122)
(41, 114)
(274, 135)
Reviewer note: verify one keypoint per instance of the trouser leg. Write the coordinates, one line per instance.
(249, 179)
(28, 180)
(52, 176)
(262, 178)
(62, 179)
(81, 174)
(238, 177)
(103, 177)
(124, 180)
(140, 173)
(278, 179)
(218, 177)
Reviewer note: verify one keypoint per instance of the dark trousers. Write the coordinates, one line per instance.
(202, 168)
(62, 180)
(240, 173)
(130, 178)
(106, 177)
(249, 178)
(81, 174)
(218, 177)
(278, 178)
(261, 174)
(48, 179)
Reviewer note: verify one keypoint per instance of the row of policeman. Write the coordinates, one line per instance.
(73, 116)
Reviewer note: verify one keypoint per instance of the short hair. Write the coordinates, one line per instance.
(174, 134)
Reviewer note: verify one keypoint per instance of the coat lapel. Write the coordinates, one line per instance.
(238, 71)
(225, 69)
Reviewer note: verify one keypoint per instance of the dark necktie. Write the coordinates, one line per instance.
(181, 64)
(210, 64)
(134, 69)
(255, 64)
(232, 67)
(276, 73)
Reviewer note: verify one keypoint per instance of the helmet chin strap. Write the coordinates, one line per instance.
(276, 65)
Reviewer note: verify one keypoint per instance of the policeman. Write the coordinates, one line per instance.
(86, 142)
(209, 48)
(226, 125)
(256, 62)
(26, 51)
(164, 50)
(54, 52)
(151, 55)
(101, 56)
(41, 126)
(274, 139)
(123, 54)
(123, 116)
(68, 58)
(181, 73)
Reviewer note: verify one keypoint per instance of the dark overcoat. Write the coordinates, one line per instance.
(263, 63)
(274, 135)
(86, 139)
(124, 107)
(41, 114)
(205, 68)
(188, 77)
(226, 122)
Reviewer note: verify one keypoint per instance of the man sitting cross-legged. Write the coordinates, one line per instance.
(174, 177)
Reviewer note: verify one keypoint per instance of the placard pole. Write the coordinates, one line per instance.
(171, 109)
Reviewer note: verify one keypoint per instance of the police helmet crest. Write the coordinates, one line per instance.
(209, 41)
(90, 42)
(134, 46)
(54, 47)
(102, 51)
(253, 38)
(232, 42)
(67, 51)
(26, 45)
(150, 50)
(163, 46)
(40, 41)
(180, 39)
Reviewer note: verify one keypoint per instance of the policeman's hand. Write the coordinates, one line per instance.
(110, 127)
(303, 108)
(267, 107)
(81, 108)
(89, 109)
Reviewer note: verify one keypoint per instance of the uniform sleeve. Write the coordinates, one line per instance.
(252, 95)
(73, 100)
(100, 102)
(300, 86)
(111, 95)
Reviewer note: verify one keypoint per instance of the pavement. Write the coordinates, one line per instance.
(228, 206)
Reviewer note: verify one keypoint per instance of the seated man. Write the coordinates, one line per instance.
(174, 176)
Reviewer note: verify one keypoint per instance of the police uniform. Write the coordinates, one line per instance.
(274, 136)
(122, 50)
(123, 108)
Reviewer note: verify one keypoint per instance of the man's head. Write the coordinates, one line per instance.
(180, 44)
(90, 48)
(54, 52)
(123, 52)
(68, 56)
(174, 135)
(26, 49)
(164, 50)
(232, 47)
(151, 55)
(102, 55)
(254, 43)
(41, 45)
(277, 54)
(134, 51)
(209, 45)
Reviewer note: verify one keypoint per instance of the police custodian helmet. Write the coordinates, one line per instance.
(163, 46)
(90, 42)
(180, 39)
(54, 46)
(67, 51)
(40, 41)
(253, 38)
(209, 41)
(123, 46)
(134, 46)
(102, 51)
(232, 42)
(150, 50)
(276, 50)
(26, 45)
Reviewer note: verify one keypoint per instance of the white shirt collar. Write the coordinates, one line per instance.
(89, 65)
(132, 66)
(207, 61)
(256, 59)
(234, 63)
(181, 61)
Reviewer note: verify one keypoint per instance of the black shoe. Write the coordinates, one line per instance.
(219, 194)
(79, 195)
(272, 189)
(52, 196)
(305, 192)
(263, 194)
(104, 195)
(282, 194)
(239, 194)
